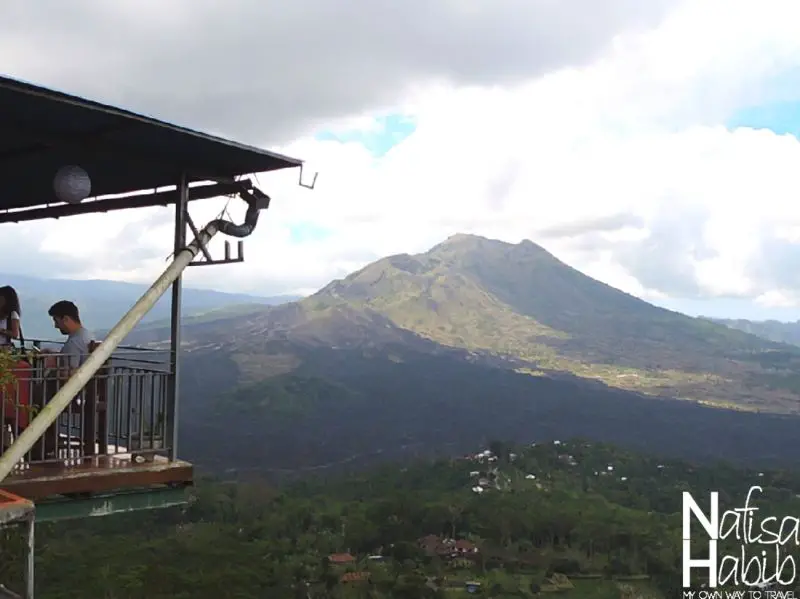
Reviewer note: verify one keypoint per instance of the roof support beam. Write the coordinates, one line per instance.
(162, 198)
(100, 142)
(40, 143)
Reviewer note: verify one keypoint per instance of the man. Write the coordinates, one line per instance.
(75, 350)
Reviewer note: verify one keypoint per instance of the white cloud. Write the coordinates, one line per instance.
(636, 138)
(250, 68)
(777, 299)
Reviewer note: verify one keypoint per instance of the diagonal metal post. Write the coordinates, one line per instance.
(48, 415)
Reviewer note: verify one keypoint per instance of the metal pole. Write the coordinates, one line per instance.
(29, 556)
(48, 415)
(173, 396)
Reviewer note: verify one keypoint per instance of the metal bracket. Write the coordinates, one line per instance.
(209, 260)
(306, 185)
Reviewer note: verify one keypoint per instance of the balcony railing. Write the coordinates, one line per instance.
(123, 412)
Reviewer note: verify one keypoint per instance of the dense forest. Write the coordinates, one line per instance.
(580, 519)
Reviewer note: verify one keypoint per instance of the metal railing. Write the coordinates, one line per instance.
(50, 415)
(123, 411)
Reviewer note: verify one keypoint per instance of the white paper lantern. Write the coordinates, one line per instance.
(72, 184)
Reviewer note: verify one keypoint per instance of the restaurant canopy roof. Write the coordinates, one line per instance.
(43, 130)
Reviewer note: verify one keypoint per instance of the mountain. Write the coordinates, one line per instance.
(772, 330)
(103, 303)
(473, 339)
(521, 302)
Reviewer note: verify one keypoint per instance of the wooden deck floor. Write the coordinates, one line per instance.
(95, 475)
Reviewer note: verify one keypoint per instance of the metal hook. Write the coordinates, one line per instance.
(313, 180)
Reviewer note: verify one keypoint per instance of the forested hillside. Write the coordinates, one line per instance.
(584, 519)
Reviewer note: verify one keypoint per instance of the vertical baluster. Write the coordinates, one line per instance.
(128, 410)
(154, 380)
(142, 390)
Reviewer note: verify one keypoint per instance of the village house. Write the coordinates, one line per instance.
(568, 459)
(429, 544)
(472, 586)
(483, 456)
(447, 548)
(464, 547)
(350, 577)
(341, 559)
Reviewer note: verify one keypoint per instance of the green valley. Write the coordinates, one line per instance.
(568, 519)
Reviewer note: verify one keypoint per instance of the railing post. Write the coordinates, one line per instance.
(173, 391)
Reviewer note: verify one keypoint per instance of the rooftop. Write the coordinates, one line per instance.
(13, 508)
(123, 152)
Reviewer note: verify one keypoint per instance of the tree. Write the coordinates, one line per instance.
(499, 449)
(244, 541)
(405, 551)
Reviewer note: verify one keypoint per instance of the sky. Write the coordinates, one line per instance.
(652, 145)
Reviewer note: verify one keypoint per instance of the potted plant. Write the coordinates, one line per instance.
(7, 362)
(9, 368)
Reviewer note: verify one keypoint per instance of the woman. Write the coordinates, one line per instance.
(15, 398)
(9, 316)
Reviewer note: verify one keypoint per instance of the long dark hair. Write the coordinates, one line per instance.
(11, 304)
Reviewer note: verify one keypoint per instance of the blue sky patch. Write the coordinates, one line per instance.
(306, 231)
(391, 130)
(780, 117)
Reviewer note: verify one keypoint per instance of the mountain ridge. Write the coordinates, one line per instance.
(103, 302)
(420, 351)
(771, 330)
(519, 304)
